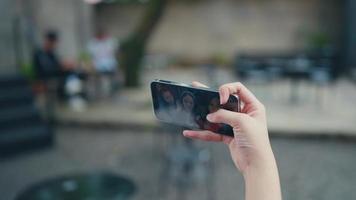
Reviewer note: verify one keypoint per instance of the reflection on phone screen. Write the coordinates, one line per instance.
(188, 107)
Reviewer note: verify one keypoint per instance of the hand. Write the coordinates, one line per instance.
(250, 145)
(68, 65)
(250, 148)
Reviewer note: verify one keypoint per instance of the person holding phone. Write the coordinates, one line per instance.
(250, 147)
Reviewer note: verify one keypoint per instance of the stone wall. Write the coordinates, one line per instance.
(72, 19)
(23, 23)
(196, 30)
(204, 28)
(119, 20)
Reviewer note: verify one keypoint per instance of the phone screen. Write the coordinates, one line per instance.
(187, 106)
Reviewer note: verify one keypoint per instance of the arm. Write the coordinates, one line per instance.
(263, 182)
(250, 148)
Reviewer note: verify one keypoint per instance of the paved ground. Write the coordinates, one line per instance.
(310, 169)
(325, 110)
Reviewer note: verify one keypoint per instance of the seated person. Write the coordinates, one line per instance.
(52, 73)
(45, 60)
(102, 50)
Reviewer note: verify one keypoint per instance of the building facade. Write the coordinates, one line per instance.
(24, 22)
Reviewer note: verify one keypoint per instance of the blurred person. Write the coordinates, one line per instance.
(102, 50)
(50, 72)
(46, 61)
(48, 65)
(250, 147)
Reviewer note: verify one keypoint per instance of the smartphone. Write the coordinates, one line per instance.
(187, 106)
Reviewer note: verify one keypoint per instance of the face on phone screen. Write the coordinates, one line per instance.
(188, 107)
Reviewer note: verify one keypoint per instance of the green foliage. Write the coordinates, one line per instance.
(318, 40)
(84, 56)
(28, 71)
(220, 58)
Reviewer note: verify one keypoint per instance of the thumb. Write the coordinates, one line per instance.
(234, 119)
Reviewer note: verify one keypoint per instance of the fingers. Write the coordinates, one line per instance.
(203, 135)
(231, 118)
(245, 95)
(198, 84)
(207, 136)
(238, 88)
(233, 88)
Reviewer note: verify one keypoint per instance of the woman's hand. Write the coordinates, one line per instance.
(250, 147)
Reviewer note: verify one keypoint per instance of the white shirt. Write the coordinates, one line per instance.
(102, 52)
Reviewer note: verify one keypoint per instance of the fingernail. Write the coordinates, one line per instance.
(209, 117)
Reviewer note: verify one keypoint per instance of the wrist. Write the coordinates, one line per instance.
(262, 180)
(261, 158)
(261, 166)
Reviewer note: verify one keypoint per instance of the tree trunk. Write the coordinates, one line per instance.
(133, 48)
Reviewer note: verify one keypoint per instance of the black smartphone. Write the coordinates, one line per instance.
(187, 106)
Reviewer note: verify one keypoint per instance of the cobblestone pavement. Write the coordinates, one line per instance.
(309, 168)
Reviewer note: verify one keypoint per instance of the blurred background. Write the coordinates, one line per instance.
(76, 119)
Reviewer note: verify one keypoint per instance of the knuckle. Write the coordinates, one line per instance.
(226, 86)
(239, 84)
(220, 113)
(221, 88)
(207, 137)
(237, 123)
(242, 120)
